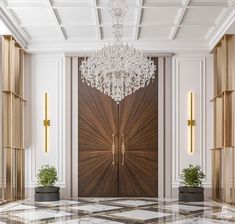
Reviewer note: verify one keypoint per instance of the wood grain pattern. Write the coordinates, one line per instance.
(138, 122)
(135, 117)
(98, 120)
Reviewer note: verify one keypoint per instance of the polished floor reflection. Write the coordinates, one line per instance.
(116, 211)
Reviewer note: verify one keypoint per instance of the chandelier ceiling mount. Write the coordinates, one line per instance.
(117, 70)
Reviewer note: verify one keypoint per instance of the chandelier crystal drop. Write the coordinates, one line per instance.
(117, 70)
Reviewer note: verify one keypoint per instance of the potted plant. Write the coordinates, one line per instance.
(191, 189)
(46, 178)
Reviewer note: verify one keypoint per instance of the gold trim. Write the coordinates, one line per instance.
(113, 150)
(123, 149)
(46, 122)
(15, 94)
(191, 122)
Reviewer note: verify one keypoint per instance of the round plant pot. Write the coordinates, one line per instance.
(191, 194)
(47, 194)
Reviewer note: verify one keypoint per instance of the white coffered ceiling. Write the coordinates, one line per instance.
(152, 25)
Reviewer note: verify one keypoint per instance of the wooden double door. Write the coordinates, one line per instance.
(118, 144)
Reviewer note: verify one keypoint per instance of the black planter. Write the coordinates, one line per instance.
(47, 194)
(191, 194)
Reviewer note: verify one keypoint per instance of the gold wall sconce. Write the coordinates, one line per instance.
(46, 123)
(191, 122)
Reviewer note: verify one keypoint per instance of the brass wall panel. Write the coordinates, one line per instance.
(219, 70)
(219, 123)
(216, 174)
(231, 60)
(223, 155)
(13, 160)
(223, 64)
(227, 118)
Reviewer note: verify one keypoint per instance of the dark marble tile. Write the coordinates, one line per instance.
(116, 211)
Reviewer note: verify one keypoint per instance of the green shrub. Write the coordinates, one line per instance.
(192, 176)
(47, 176)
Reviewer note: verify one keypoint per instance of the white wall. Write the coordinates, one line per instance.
(47, 75)
(192, 73)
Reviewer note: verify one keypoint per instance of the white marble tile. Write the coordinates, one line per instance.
(40, 214)
(141, 214)
(15, 207)
(204, 203)
(167, 199)
(187, 208)
(94, 208)
(134, 202)
(99, 199)
(59, 203)
(88, 221)
(199, 221)
(224, 214)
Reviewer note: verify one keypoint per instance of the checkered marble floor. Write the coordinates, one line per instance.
(116, 211)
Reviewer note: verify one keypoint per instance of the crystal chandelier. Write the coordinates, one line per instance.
(117, 70)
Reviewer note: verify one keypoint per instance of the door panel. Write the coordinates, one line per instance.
(98, 121)
(138, 115)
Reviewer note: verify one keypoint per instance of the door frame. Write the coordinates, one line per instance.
(164, 124)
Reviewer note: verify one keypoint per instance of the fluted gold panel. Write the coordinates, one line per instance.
(223, 155)
(13, 120)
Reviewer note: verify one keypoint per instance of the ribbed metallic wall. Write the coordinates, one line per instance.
(223, 154)
(12, 153)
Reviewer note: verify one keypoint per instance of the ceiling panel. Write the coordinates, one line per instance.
(33, 16)
(128, 32)
(44, 33)
(77, 15)
(81, 20)
(192, 32)
(159, 15)
(81, 32)
(162, 2)
(88, 2)
(206, 14)
(131, 17)
(209, 2)
(130, 3)
(23, 2)
(155, 32)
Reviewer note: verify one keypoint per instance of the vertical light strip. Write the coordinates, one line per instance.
(46, 122)
(191, 122)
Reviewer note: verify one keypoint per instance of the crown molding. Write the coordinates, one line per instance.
(220, 30)
(13, 25)
(149, 46)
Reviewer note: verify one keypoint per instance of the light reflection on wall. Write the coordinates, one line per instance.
(3, 29)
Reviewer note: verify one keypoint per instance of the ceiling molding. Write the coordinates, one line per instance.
(156, 46)
(179, 20)
(13, 25)
(139, 16)
(97, 20)
(223, 25)
(220, 32)
(56, 18)
(126, 25)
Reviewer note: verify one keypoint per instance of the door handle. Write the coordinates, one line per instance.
(123, 149)
(113, 151)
